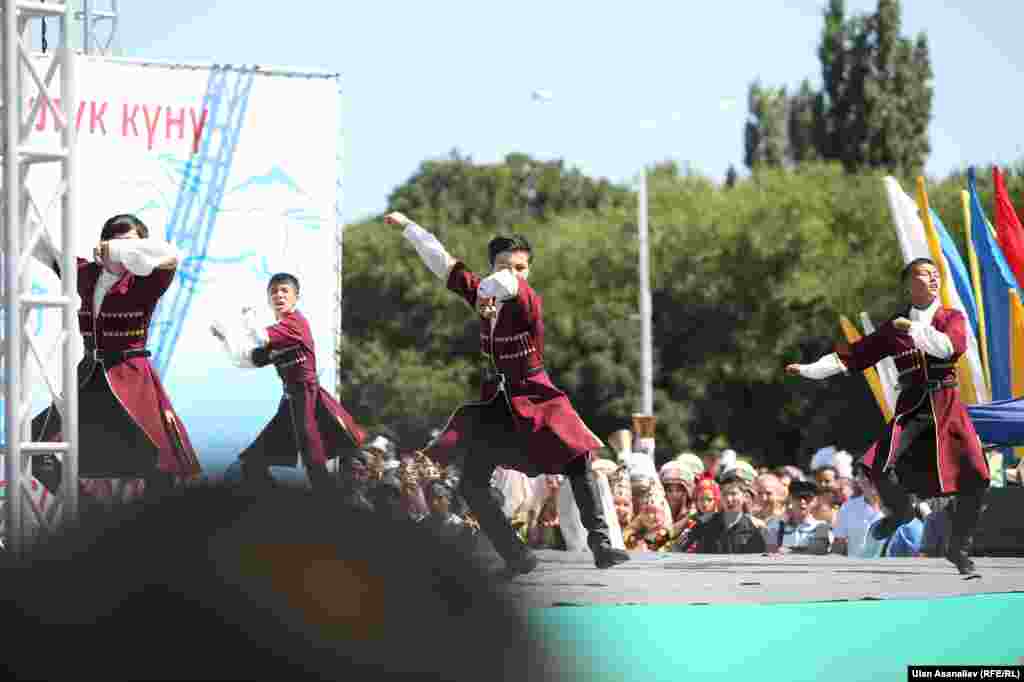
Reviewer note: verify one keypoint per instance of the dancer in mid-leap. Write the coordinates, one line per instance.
(523, 421)
(309, 421)
(930, 448)
(127, 426)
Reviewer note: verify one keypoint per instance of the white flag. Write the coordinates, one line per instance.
(910, 232)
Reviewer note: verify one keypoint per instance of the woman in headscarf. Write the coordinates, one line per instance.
(622, 497)
(707, 496)
(543, 529)
(678, 489)
(650, 529)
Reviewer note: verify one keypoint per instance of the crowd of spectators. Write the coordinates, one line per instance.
(713, 503)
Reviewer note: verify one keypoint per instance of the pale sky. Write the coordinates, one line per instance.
(632, 83)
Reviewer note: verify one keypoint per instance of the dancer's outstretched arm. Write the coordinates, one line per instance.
(888, 340)
(237, 342)
(481, 294)
(825, 367)
(431, 251)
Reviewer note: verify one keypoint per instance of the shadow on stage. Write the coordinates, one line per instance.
(214, 583)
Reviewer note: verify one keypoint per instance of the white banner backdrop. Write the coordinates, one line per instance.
(240, 169)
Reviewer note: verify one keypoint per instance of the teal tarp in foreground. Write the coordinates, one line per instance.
(834, 641)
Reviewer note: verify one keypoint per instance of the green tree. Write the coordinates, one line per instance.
(873, 109)
(805, 125)
(454, 190)
(766, 140)
(744, 280)
(877, 90)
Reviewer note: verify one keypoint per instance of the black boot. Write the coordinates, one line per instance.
(585, 490)
(158, 485)
(256, 477)
(899, 505)
(320, 480)
(518, 558)
(965, 517)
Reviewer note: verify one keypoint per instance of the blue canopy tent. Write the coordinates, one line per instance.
(1000, 422)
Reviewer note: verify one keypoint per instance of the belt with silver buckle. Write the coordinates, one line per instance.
(112, 357)
(931, 385)
(494, 375)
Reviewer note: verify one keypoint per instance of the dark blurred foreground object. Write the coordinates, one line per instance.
(212, 583)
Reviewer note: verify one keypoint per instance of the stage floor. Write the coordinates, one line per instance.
(570, 579)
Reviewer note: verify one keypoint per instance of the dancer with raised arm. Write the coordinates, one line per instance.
(127, 427)
(309, 422)
(930, 448)
(523, 421)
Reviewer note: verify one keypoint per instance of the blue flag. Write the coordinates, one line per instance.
(959, 273)
(996, 281)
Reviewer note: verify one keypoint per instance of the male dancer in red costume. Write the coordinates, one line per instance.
(309, 422)
(930, 447)
(523, 422)
(127, 426)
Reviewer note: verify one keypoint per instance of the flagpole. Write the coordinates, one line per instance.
(972, 259)
(870, 374)
(1016, 324)
(646, 351)
(967, 385)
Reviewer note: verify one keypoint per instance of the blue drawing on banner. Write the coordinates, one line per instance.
(307, 219)
(194, 272)
(197, 203)
(271, 203)
(36, 289)
(275, 176)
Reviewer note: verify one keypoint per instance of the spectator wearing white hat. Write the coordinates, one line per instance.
(824, 469)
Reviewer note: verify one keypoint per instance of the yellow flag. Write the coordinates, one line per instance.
(871, 374)
(1016, 353)
(967, 389)
(1016, 345)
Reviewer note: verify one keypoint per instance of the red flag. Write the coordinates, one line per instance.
(1009, 232)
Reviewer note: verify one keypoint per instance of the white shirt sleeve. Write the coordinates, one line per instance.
(254, 332)
(238, 348)
(930, 340)
(142, 256)
(829, 365)
(430, 250)
(502, 285)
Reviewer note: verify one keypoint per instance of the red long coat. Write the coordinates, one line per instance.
(959, 463)
(122, 324)
(320, 425)
(536, 430)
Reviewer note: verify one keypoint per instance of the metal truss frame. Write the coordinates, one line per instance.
(30, 82)
(91, 16)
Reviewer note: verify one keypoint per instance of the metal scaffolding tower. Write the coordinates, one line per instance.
(94, 16)
(32, 81)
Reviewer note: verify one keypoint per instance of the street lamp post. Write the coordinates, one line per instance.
(646, 342)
